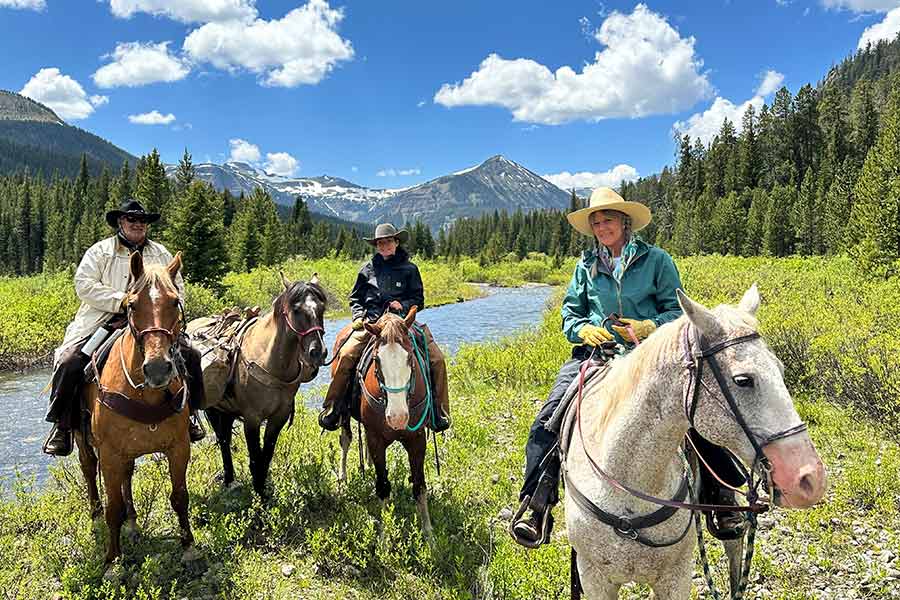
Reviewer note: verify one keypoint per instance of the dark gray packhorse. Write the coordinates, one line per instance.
(272, 355)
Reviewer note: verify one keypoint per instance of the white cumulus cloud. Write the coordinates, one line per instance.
(135, 64)
(706, 125)
(62, 94)
(772, 81)
(243, 151)
(886, 30)
(861, 6)
(24, 4)
(396, 172)
(281, 163)
(646, 68)
(154, 117)
(612, 178)
(301, 48)
(187, 11)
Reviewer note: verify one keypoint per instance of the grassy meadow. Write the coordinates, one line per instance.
(316, 538)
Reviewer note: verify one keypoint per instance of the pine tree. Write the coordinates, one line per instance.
(196, 229)
(152, 187)
(756, 220)
(184, 174)
(776, 234)
(805, 218)
(838, 208)
(876, 210)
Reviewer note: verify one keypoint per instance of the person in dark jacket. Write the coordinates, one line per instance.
(388, 282)
(624, 275)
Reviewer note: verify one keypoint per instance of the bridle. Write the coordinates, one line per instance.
(171, 333)
(300, 333)
(693, 363)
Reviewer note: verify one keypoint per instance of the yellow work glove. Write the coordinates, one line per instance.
(593, 335)
(357, 324)
(641, 328)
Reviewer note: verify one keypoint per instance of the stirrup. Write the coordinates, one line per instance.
(545, 525)
(725, 534)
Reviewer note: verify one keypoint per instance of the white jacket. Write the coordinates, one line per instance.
(101, 281)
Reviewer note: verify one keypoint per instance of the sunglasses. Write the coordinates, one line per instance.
(130, 219)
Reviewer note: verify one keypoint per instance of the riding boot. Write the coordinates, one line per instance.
(725, 524)
(533, 530)
(195, 428)
(59, 441)
(439, 390)
(335, 397)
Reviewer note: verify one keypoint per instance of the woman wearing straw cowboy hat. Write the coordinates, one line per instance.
(622, 275)
(388, 282)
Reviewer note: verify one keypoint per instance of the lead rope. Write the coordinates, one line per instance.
(736, 594)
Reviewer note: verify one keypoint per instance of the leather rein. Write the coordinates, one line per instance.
(693, 363)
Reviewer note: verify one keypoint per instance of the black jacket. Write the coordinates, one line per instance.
(380, 281)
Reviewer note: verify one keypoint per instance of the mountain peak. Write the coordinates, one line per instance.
(16, 107)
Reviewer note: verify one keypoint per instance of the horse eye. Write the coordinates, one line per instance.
(744, 381)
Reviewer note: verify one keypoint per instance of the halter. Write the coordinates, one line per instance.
(300, 334)
(139, 334)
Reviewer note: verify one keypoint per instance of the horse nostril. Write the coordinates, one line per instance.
(806, 484)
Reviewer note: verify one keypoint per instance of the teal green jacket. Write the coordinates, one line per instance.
(647, 291)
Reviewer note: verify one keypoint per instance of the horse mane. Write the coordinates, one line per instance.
(393, 329)
(664, 345)
(157, 275)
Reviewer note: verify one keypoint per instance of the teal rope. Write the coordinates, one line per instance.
(423, 363)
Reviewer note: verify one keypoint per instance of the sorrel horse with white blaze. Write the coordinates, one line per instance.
(274, 355)
(629, 431)
(392, 407)
(140, 379)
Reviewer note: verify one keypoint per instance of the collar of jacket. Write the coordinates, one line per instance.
(399, 257)
(124, 242)
(589, 257)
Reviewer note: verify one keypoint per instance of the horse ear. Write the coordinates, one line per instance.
(284, 280)
(411, 316)
(750, 302)
(699, 315)
(314, 279)
(174, 266)
(373, 328)
(137, 266)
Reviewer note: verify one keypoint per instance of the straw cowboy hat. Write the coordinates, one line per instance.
(386, 230)
(605, 198)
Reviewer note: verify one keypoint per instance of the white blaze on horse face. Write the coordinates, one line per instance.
(155, 293)
(396, 372)
(311, 307)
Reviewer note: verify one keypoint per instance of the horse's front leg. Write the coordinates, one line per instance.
(88, 460)
(251, 433)
(221, 423)
(274, 425)
(130, 513)
(377, 453)
(416, 446)
(595, 586)
(113, 469)
(178, 456)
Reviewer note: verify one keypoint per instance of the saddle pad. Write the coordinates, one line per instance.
(100, 356)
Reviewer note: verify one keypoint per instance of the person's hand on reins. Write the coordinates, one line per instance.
(641, 329)
(358, 324)
(593, 335)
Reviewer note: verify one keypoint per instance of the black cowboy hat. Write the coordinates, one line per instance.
(386, 230)
(133, 208)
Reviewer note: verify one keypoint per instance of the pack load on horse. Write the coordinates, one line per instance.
(253, 367)
(137, 404)
(393, 400)
(388, 283)
(101, 283)
(631, 462)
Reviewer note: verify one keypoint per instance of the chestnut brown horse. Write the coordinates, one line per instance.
(392, 405)
(140, 379)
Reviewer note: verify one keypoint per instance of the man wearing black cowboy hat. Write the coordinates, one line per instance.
(388, 282)
(101, 281)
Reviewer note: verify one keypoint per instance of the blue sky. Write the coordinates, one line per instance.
(389, 94)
